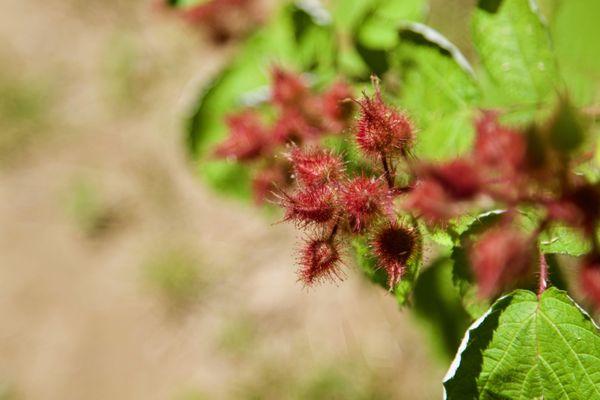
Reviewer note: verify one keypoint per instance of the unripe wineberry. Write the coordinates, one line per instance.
(247, 137)
(394, 247)
(363, 199)
(315, 166)
(382, 130)
(313, 204)
(288, 89)
(500, 256)
(319, 261)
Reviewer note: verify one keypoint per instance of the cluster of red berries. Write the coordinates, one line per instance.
(334, 206)
(507, 168)
(303, 117)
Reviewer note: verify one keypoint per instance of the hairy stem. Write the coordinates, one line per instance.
(543, 282)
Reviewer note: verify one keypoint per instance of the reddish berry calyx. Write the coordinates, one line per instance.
(363, 199)
(497, 146)
(319, 261)
(382, 130)
(314, 204)
(288, 89)
(315, 166)
(460, 179)
(429, 201)
(247, 137)
(501, 255)
(395, 246)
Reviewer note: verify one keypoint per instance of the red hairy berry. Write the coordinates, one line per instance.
(288, 89)
(315, 166)
(336, 105)
(382, 130)
(500, 256)
(589, 278)
(319, 261)
(459, 178)
(429, 201)
(247, 137)
(314, 204)
(394, 247)
(497, 146)
(363, 199)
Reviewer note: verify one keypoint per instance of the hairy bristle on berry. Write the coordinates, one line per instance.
(363, 199)
(315, 166)
(394, 246)
(288, 89)
(500, 257)
(313, 204)
(247, 137)
(319, 261)
(459, 178)
(382, 130)
(589, 278)
(497, 146)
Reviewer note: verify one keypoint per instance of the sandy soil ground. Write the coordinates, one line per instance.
(97, 197)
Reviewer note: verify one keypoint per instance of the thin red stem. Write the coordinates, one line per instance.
(543, 283)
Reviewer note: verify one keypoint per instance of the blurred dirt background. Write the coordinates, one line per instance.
(121, 277)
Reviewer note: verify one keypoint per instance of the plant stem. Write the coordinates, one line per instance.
(543, 283)
(387, 173)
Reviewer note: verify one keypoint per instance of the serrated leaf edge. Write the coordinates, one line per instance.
(465, 341)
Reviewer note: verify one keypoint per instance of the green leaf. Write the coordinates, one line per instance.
(514, 47)
(367, 263)
(379, 30)
(438, 306)
(348, 13)
(558, 238)
(528, 348)
(438, 90)
(575, 29)
(561, 239)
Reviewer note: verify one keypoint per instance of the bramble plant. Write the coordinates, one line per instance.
(461, 189)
